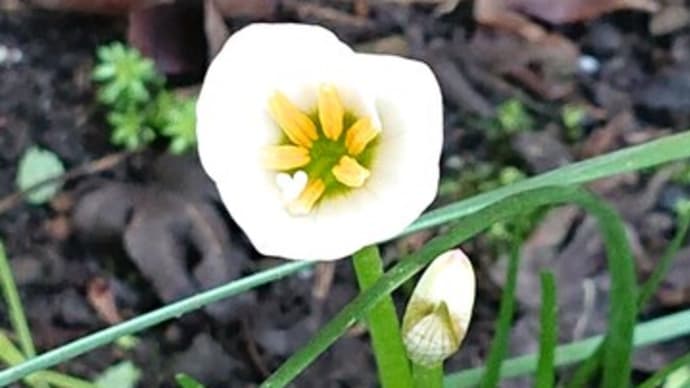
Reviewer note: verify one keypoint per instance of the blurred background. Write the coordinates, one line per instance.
(132, 222)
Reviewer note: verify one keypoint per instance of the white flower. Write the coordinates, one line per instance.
(317, 150)
(440, 309)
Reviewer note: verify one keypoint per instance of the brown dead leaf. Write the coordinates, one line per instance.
(97, 6)
(568, 11)
(101, 297)
(513, 15)
(170, 229)
(172, 35)
(214, 27)
(545, 67)
(254, 9)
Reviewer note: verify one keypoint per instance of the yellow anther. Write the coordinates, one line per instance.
(331, 112)
(285, 157)
(296, 124)
(308, 198)
(350, 173)
(359, 135)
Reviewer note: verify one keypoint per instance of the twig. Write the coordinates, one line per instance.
(105, 163)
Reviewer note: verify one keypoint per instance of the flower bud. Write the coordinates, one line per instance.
(439, 311)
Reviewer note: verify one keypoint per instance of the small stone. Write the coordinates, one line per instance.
(588, 64)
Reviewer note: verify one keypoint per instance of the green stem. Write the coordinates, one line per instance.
(548, 338)
(651, 285)
(383, 324)
(100, 338)
(17, 317)
(425, 377)
(499, 345)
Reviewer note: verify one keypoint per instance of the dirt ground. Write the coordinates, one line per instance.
(92, 256)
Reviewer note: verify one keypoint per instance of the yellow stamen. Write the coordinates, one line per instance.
(285, 157)
(359, 135)
(350, 173)
(296, 124)
(331, 112)
(307, 199)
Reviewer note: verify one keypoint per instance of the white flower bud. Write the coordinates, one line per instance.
(440, 309)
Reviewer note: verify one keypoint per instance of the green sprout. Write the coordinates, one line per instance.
(181, 126)
(140, 108)
(125, 75)
(130, 129)
(573, 116)
(513, 117)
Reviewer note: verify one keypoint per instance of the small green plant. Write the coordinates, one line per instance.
(573, 116)
(141, 110)
(513, 117)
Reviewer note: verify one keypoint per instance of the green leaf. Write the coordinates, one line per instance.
(36, 166)
(548, 337)
(499, 345)
(122, 375)
(658, 330)
(667, 372)
(184, 381)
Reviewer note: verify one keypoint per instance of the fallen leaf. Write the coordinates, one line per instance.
(170, 229)
(97, 6)
(101, 297)
(185, 381)
(569, 11)
(122, 375)
(214, 27)
(255, 9)
(545, 66)
(172, 35)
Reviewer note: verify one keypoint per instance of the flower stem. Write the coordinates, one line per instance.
(425, 377)
(17, 317)
(382, 321)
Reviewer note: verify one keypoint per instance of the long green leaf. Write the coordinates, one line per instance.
(84, 344)
(499, 345)
(649, 154)
(622, 312)
(548, 338)
(383, 324)
(17, 317)
(662, 267)
(10, 355)
(661, 375)
(658, 330)
(588, 368)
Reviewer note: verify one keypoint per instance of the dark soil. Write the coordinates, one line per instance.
(118, 243)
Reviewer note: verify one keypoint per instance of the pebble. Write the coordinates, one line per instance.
(9, 55)
(588, 64)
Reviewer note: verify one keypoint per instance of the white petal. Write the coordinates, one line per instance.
(450, 279)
